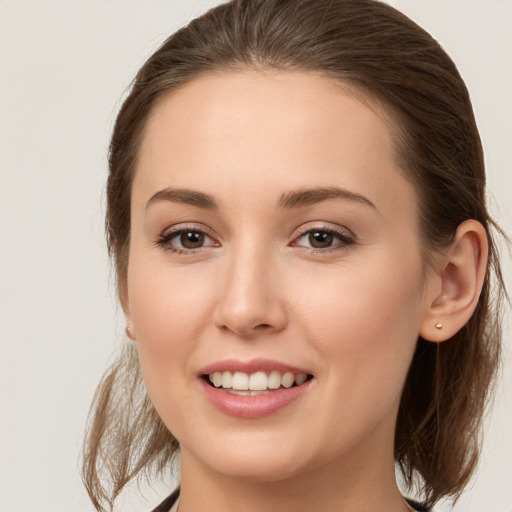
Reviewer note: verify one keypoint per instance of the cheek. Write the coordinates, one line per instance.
(363, 297)
(166, 305)
(363, 329)
(168, 308)
(364, 324)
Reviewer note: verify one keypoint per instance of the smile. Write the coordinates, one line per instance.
(244, 384)
(254, 389)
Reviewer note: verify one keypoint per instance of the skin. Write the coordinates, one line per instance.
(350, 314)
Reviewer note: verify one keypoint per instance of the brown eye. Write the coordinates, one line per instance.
(185, 240)
(323, 240)
(192, 239)
(320, 239)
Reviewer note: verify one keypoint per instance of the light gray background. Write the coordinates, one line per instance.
(64, 67)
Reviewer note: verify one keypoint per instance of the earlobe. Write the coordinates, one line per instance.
(123, 300)
(457, 283)
(129, 331)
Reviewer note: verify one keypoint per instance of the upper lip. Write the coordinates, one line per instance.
(251, 366)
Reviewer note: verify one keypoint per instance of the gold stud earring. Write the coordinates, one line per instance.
(439, 325)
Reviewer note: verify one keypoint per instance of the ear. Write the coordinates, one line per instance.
(129, 329)
(123, 300)
(455, 285)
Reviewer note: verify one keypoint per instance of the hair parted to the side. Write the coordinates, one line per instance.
(379, 52)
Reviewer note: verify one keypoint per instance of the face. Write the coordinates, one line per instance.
(273, 233)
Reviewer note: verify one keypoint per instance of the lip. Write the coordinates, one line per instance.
(253, 406)
(256, 406)
(251, 366)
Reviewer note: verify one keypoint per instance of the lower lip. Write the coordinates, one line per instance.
(253, 406)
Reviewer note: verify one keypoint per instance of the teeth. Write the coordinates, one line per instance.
(227, 379)
(217, 379)
(287, 380)
(240, 381)
(244, 384)
(300, 379)
(247, 393)
(274, 380)
(258, 381)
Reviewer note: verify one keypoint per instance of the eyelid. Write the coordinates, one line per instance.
(163, 240)
(344, 234)
(323, 226)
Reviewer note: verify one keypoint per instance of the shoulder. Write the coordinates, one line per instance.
(166, 505)
(420, 507)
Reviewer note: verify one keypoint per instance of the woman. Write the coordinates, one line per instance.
(296, 211)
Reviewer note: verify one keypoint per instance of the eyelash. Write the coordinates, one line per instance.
(344, 238)
(164, 239)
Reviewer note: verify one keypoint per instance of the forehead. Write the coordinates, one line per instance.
(243, 102)
(253, 128)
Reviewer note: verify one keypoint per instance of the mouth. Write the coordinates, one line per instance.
(254, 384)
(255, 388)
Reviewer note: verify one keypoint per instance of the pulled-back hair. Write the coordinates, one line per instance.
(373, 49)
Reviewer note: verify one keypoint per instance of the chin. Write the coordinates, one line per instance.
(259, 471)
(253, 461)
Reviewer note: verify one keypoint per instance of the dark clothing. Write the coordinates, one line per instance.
(420, 507)
(166, 505)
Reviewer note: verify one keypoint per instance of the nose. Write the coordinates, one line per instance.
(251, 298)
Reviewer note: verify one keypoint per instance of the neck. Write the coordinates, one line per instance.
(353, 484)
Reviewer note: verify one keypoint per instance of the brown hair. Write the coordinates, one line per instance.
(374, 49)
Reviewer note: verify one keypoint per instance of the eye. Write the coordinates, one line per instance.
(185, 240)
(320, 239)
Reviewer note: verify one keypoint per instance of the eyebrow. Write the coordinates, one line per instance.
(289, 200)
(184, 196)
(306, 197)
